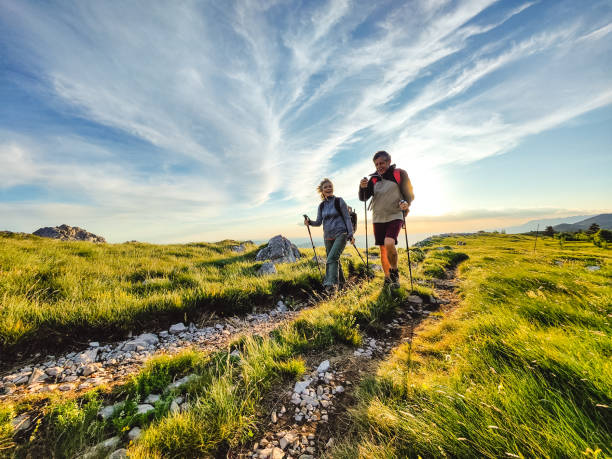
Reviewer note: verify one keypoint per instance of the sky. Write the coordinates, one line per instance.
(203, 120)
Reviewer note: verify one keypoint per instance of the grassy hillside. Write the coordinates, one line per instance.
(521, 369)
(53, 291)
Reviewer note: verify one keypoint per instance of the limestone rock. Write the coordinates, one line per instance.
(149, 338)
(301, 386)
(89, 369)
(37, 376)
(279, 250)
(267, 268)
(68, 233)
(323, 366)
(152, 399)
(144, 408)
(86, 357)
(415, 299)
(119, 454)
(134, 433)
(21, 422)
(54, 371)
(106, 411)
(135, 345)
(178, 328)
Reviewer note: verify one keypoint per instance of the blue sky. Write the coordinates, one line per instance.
(193, 120)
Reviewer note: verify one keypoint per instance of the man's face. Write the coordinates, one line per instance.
(382, 165)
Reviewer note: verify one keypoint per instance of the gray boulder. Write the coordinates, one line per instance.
(149, 338)
(86, 357)
(68, 233)
(279, 250)
(267, 268)
(178, 328)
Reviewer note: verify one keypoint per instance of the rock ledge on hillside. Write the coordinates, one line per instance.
(279, 250)
(68, 233)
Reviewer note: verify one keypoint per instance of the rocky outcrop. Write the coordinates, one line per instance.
(68, 233)
(279, 250)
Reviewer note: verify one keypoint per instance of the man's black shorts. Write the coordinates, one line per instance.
(388, 229)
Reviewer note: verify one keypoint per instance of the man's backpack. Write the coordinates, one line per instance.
(351, 212)
(396, 175)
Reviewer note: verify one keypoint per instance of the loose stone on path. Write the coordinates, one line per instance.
(108, 363)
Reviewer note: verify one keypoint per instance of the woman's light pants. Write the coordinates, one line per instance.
(333, 268)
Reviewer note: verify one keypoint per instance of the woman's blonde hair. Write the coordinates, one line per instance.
(320, 187)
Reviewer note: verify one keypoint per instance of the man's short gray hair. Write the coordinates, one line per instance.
(381, 154)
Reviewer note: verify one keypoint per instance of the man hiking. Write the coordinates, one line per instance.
(392, 195)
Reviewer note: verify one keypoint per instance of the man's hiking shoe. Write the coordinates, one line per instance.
(394, 275)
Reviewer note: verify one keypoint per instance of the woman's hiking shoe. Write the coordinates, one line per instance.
(331, 290)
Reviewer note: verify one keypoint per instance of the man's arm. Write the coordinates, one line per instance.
(366, 193)
(406, 187)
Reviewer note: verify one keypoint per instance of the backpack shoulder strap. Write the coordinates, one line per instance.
(337, 206)
(397, 175)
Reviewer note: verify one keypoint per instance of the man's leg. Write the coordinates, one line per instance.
(384, 260)
(392, 231)
(391, 252)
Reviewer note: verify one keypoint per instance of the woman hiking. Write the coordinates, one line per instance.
(337, 230)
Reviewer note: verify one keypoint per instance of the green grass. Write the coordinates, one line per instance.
(6, 429)
(54, 292)
(227, 395)
(521, 369)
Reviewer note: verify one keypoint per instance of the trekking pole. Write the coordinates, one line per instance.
(313, 247)
(408, 252)
(358, 252)
(410, 345)
(365, 211)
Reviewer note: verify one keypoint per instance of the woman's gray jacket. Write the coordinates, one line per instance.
(334, 224)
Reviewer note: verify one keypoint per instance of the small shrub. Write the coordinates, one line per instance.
(602, 238)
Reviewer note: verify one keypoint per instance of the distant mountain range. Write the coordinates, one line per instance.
(544, 222)
(603, 220)
(570, 224)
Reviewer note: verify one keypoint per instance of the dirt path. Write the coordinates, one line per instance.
(306, 418)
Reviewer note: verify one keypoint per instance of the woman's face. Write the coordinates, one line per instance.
(328, 189)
